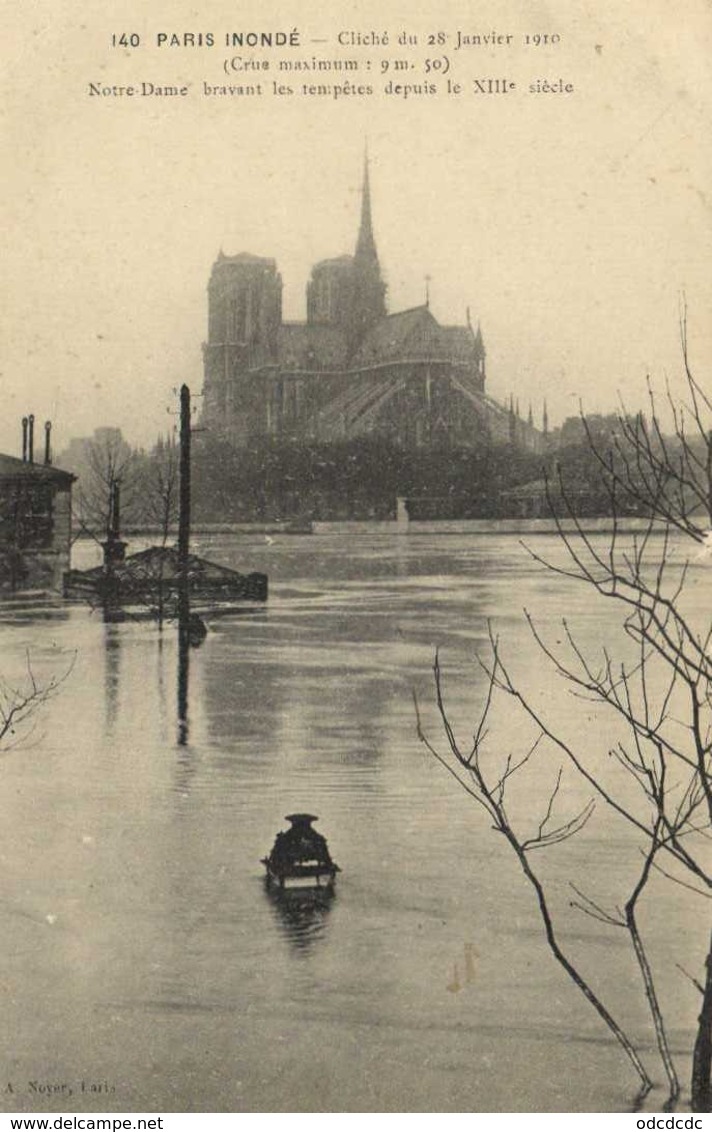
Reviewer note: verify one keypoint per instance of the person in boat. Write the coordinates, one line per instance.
(300, 843)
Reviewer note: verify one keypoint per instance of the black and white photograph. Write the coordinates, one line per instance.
(356, 558)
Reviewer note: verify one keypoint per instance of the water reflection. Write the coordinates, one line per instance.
(184, 769)
(23, 610)
(184, 644)
(301, 913)
(161, 948)
(112, 672)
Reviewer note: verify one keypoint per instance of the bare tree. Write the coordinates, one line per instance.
(490, 791)
(670, 476)
(144, 583)
(160, 490)
(160, 485)
(109, 461)
(658, 685)
(21, 701)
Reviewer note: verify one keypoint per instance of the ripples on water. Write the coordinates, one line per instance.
(141, 947)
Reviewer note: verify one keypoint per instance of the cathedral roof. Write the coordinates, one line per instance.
(390, 336)
(306, 346)
(461, 343)
(415, 334)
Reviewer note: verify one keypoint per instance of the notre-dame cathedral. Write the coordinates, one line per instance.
(351, 369)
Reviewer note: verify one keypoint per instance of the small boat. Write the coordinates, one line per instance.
(153, 577)
(300, 857)
(162, 581)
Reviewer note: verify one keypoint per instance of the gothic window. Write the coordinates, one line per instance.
(328, 299)
(248, 331)
(240, 316)
(230, 321)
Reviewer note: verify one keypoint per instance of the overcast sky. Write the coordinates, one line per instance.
(568, 224)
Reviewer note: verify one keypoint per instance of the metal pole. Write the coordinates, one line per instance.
(183, 549)
(184, 518)
(183, 679)
(116, 509)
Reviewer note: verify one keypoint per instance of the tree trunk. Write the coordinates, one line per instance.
(702, 1055)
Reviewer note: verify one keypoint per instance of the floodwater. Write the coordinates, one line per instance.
(146, 968)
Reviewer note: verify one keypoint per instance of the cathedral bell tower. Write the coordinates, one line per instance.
(244, 318)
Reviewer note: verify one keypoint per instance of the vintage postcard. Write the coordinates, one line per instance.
(355, 488)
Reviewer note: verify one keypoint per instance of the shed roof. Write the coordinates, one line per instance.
(12, 468)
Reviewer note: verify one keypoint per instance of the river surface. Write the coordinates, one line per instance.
(144, 964)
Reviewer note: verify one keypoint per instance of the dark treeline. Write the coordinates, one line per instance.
(358, 479)
(363, 478)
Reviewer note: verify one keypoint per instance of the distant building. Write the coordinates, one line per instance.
(351, 369)
(35, 522)
(96, 462)
(106, 446)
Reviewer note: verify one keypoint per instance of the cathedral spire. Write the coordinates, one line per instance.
(365, 244)
(369, 291)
